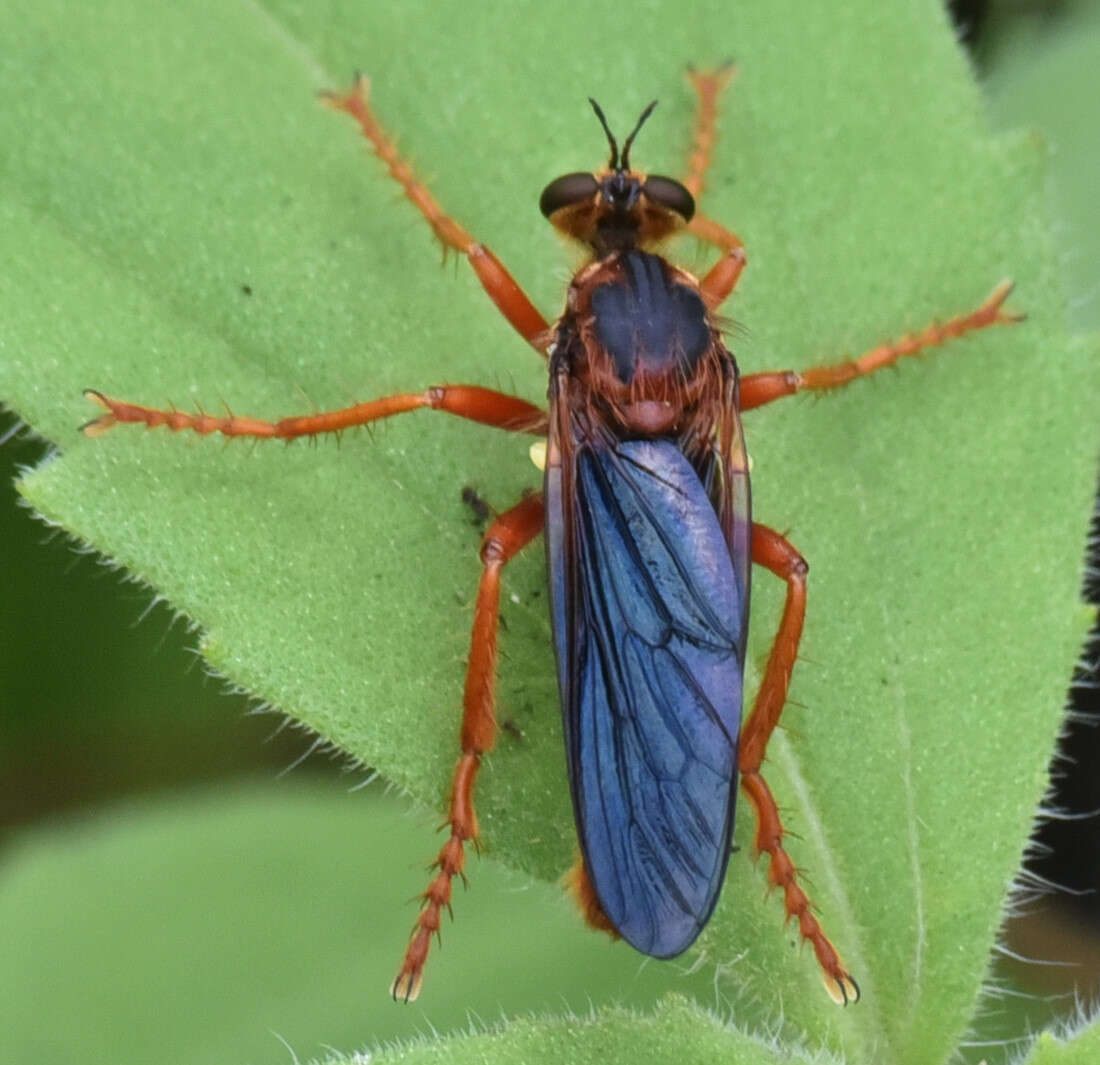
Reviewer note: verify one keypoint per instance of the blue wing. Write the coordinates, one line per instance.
(649, 629)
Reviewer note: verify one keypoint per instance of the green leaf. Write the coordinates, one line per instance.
(1035, 69)
(1079, 1046)
(183, 223)
(264, 960)
(677, 1033)
(205, 926)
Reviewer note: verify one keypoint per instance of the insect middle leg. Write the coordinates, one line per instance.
(773, 551)
(502, 288)
(465, 401)
(721, 279)
(508, 535)
(760, 388)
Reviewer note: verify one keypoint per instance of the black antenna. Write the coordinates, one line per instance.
(630, 140)
(613, 163)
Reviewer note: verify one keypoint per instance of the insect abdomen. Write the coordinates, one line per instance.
(647, 614)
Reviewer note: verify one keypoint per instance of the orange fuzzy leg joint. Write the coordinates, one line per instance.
(505, 538)
(758, 389)
(501, 287)
(771, 550)
(465, 401)
(721, 279)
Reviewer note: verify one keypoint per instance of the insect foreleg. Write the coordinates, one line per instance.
(502, 288)
(722, 278)
(708, 86)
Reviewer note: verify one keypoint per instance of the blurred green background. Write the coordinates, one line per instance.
(129, 779)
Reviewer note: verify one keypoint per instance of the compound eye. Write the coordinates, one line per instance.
(669, 194)
(567, 191)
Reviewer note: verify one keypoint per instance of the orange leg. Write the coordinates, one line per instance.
(466, 401)
(508, 535)
(773, 551)
(495, 278)
(708, 86)
(720, 280)
(760, 388)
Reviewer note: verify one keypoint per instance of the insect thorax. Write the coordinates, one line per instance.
(638, 339)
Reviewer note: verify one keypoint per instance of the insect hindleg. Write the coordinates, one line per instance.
(720, 280)
(502, 288)
(771, 550)
(508, 535)
(465, 401)
(760, 388)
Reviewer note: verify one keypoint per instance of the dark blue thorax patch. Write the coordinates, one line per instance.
(648, 322)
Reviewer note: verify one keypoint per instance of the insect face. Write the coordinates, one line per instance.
(617, 209)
